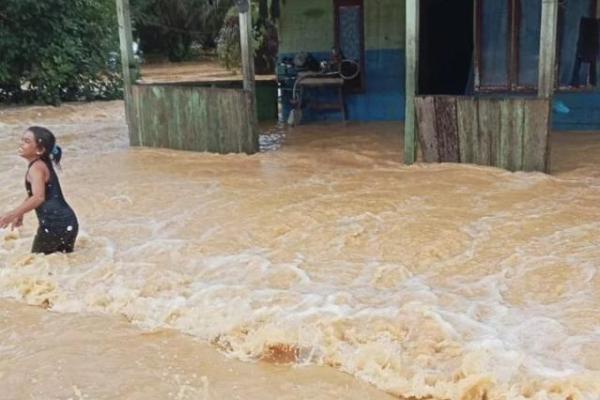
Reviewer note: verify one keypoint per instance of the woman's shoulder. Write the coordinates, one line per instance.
(38, 168)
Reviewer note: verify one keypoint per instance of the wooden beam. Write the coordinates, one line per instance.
(246, 46)
(412, 63)
(468, 126)
(536, 148)
(248, 66)
(547, 62)
(126, 42)
(425, 110)
(129, 67)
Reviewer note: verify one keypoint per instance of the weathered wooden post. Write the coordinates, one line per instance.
(128, 66)
(246, 44)
(412, 62)
(547, 62)
(248, 63)
(547, 72)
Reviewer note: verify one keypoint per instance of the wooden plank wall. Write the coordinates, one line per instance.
(195, 118)
(505, 133)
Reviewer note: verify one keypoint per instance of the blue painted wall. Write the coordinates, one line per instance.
(384, 96)
(584, 107)
(583, 114)
(382, 100)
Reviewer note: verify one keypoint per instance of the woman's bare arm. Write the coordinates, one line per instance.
(37, 177)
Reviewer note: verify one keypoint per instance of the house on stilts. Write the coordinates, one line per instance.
(475, 81)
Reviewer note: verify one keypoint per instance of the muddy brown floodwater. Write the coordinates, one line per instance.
(195, 274)
(207, 70)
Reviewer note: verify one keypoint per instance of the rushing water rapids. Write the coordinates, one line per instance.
(444, 281)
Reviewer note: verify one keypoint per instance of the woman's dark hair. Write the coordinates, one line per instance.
(46, 141)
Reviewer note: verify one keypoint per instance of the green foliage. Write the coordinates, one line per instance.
(228, 42)
(264, 38)
(55, 50)
(172, 26)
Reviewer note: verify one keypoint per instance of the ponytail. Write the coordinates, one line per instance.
(56, 155)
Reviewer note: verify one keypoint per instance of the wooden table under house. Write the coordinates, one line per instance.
(308, 81)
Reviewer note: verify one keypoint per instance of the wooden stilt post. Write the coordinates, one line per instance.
(246, 45)
(412, 62)
(547, 63)
(129, 67)
(248, 64)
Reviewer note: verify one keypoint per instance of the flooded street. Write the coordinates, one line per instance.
(430, 281)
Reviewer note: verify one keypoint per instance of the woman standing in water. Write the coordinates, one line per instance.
(58, 224)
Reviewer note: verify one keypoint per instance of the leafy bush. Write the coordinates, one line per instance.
(171, 26)
(228, 41)
(54, 50)
(265, 41)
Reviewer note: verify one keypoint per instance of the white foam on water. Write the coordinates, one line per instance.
(454, 282)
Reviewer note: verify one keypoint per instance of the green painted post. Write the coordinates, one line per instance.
(412, 62)
(129, 67)
(547, 63)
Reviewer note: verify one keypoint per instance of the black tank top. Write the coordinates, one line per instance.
(54, 214)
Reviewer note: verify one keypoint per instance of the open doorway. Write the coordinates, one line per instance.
(446, 46)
